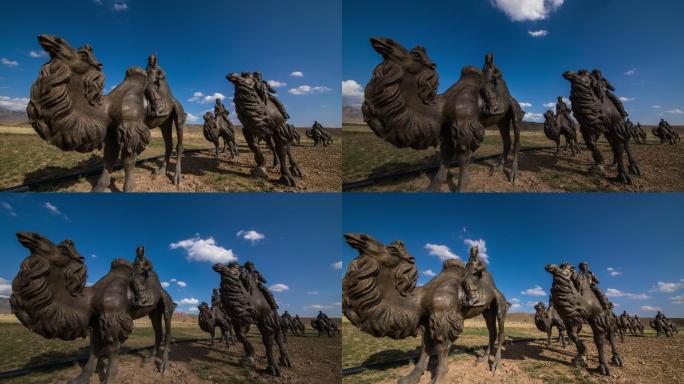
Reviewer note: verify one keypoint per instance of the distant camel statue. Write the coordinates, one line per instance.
(211, 318)
(322, 327)
(545, 320)
(214, 131)
(557, 126)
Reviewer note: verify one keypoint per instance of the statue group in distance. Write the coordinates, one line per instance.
(319, 135)
(213, 317)
(561, 124)
(68, 109)
(665, 133)
(380, 297)
(402, 107)
(217, 126)
(49, 297)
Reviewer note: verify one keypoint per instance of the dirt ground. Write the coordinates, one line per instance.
(25, 158)
(662, 168)
(314, 359)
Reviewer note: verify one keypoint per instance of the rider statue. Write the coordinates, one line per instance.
(666, 127)
(155, 76)
(491, 74)
(660, 316)
(266, 92)
(317, 126)
(287, 316)
(563, 109)
(220, 110)
(251, 276)
(589, 279)
(602, 87)
(471, 282)
(216, 299)
(142, 267)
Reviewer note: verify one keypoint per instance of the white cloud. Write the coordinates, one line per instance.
(54, 210)
(94, 256)
(308, 90)
(276, 83)
(165, 284)
(36, 54)
(352, 93)
(312, 292)
(482, 248)
(515, 306)
(539, 33)
(190, 118)
(199, 249)
(626, 99)
(320, 307)
(656, 106)
(525, 104)
(613, 272)
(675, 111)
(173, 280)
(631, 71)
(535, 291)
(5, 287)
(120, 7)
(677, 299)
(428, 272)
(8, 62)
(182, 284)
(297, 74)
(337, 303)
(650, 308)
(531, 116)
(515, 300)
(441, 251)
(8, 207)
(549, 105)
(337, 264)
(199, 97)
(612, 292)
(524, 10)
(189, 301)
(667, 287)
(14, 103)
(192, 310)
(280, 287)
(251, 235)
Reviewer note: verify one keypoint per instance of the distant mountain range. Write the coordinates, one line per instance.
(351, 115)
(12, 117)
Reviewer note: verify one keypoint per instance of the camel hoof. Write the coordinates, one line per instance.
(80, 379)
(617, 361)
(273, 370)
(288, 181)
(410, 379)
(580, 361)
(634, 170)
(494, 169)
(604, 370)
(259, 172)
(177, 179)
(285, 362)
(247, 362)
(624, 179)
(295, 171)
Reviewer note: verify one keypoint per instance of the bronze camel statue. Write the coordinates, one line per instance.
(50, 298)
(380, 297)
(557, 126)
(213, 317)
(263, 120)
(577, 304)
(215, 129)
(599, 115)
(68, 110)
(403, 108)
(246, 305)
(545, 320)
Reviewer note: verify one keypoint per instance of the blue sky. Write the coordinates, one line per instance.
(631, 241)
(292, 239)
(294, 43)
(636, 43)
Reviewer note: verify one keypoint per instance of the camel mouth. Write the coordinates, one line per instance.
(232, 77)
(50, 43)
(382, 45)
(355, 241)
(28, 239)
(219, 267)
(551, 268)
(567, 75)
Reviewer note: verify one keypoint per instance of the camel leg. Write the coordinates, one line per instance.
(156, 320)
(581, 358)
(490, 320)
(267, 339)
(128, 162)
(294, 167)
(285, 176)
(168, 313)
(178, 176)
(111, 154)
(247, 359)
(502, 308)
(421, 365)
(618, 150)
(259, 170)
(599, 339)
(633, 166)
(166, 130)
(561, 339)
(112, 351)
(89, 367)
(216, 150)
(464, 164)
(557, 148)
(516, 148)
(446, 150)
(505, 131)
(548, 336)
(441, 350)
(270, 142)
(597, 167)
(284, 355)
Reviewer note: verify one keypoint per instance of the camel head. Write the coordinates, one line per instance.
(539, 307)
(208, 117)
(203, 308)
(58, 255)
(414, 61)
(569, 75)
(79, 60)
(389, 255)
(548, 115)
(244, 79)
